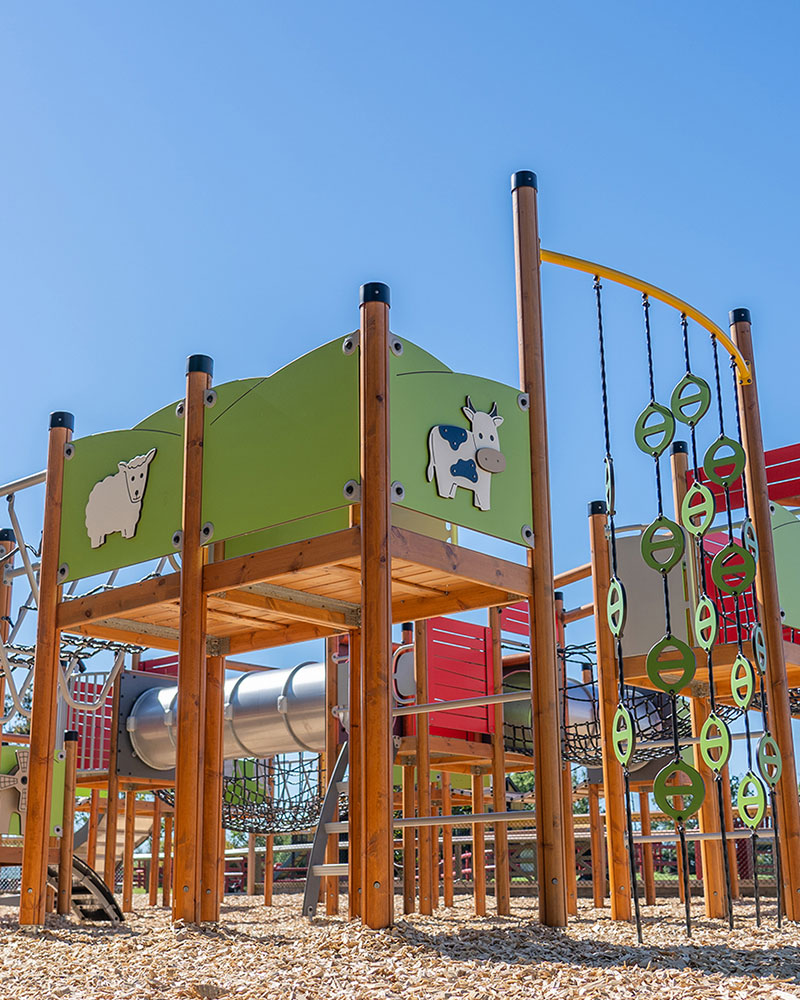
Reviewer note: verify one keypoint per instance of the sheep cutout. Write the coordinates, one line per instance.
(115, 503)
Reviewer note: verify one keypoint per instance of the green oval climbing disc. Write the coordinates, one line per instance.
(698, 509)
(691, 795)
(770, 762)
(673, 673)
(733, 569)
(623, 735)
(706, 623)
(759, 647)
(751, 800)
(663, 536)
(742, 681)
(724, 469)
(611, 489)
(749, 538)
(715, 743)
(690, 399)
(654, 429)
(616, 607)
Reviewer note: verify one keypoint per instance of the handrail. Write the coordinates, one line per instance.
(23, 484)
(589, 267)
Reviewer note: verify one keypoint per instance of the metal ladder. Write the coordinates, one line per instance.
(326, 827)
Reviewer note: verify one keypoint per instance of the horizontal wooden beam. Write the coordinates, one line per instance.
(572, 576)
(119, 601)
(294, 604)
(575, 614)
(409, 609)
(476, 567)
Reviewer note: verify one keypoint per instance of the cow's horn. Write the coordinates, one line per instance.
(493, 411)
(469, 405)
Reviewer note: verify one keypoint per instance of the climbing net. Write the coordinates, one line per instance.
(279, 794)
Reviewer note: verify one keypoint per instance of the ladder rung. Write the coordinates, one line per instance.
(340, 827)
(320, 870)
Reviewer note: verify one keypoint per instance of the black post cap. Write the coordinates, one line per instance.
(60, 418)
(7, 535)
(679, 448)
(70, 736)
(558, 595)
(374, 291)
(524, 179)
(407, 626)
(739, 316)
(597, 507)
(200, 363)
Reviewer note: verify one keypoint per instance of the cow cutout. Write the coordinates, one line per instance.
(467, 458)
(115, 503)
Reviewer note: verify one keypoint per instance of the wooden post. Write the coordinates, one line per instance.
(251, 864)
(166, 878)
(435, 838)
(269, 871)
(780, 719)
(409, 842)
(7, 543)
(66, 848)
(45, 684)
(190, 749)
(355, 783)
(155, 851)
(502, 877)
(447, 843)
(733, 859)
(647, 849)
(711, 852)
(566, 770)
(212, 788)
(608, 696)
(596, 848)
(127, 855)
(424, 837)
(544, 679)
(376, 606)
(478, 846)
(332, 649)
(112, 796)
(94, 819)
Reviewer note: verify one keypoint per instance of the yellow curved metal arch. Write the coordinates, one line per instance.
(578, 264)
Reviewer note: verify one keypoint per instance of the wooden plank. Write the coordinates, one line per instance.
(572, 576)
(447, 843)
(478, 848)
(476, 567)
(212, 862)
(459, 599)
(596, 848)
(332, 651)
(424, 835)
(355, 834)
(647, 850)
(289, 609)
(68, 825)
(409, 842)
(260, 567)
(166, 878)
(155, 852)
(118, 602)
(502, 875)
(127, 854)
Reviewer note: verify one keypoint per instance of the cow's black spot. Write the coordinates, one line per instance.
(455, 436)
(465, 467)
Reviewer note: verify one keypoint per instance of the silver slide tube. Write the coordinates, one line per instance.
(266, 712)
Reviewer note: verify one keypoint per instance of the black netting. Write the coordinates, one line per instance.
(278, 795)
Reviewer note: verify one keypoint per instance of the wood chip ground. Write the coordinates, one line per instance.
(256, 953)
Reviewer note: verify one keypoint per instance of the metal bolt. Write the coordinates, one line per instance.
(376, 885)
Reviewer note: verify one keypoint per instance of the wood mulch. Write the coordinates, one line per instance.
(257, 953)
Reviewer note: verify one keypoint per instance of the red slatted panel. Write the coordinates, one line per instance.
(783, 478)
(166, 665)
(459, 666)
(515, 618)
(93, 728)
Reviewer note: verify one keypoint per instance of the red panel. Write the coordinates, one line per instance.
(166, 665)
(783, 478)
(515, 618)
(93, 728)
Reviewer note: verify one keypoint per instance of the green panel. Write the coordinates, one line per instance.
(786, 538)
(424, 395)
(282, 447)
(98, 456)
(291, 531)
(8, 764)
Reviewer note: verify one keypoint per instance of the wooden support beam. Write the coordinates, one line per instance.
(189, 758)
(409, 841)
(7, 543)
(502, 875)
(127, 853)
(112, 800)
(94, 819)
(608, 694)
(596, 848)
(295, 604)
(212, 861)
(376, 606)
(45, 684)
(355, 835)
(155, 852)
(544, 679)
(768, 603)
(119, 601)
(447, 843)
(572, 576)
(648, 872)
(251, 864)
(332, 653)
(166, 878)
(67, 823)
(566, 768)
(478, 847)
(424, 834)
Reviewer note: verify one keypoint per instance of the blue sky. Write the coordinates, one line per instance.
(219, 178)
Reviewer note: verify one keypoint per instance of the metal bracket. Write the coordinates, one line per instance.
(210, 398)
(351, 342)
(352, 490)
(527, 534)
(398, 492)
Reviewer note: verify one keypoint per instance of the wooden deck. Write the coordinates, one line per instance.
(305, 590)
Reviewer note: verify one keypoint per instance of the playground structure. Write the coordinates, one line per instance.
(338, 521)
